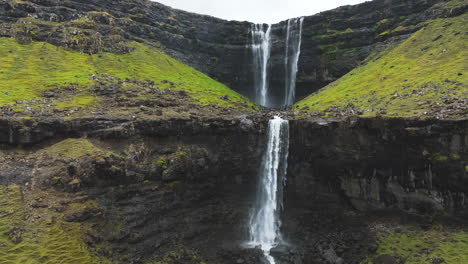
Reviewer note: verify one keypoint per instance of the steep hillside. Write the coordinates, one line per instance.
(212, 46)
(39, 78)
(425, 76)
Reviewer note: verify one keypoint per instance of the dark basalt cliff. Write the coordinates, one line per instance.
(334, 42)
(185, 183)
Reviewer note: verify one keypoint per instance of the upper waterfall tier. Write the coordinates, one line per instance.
(261, 53)
(261, 48)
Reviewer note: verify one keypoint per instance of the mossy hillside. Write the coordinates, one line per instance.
(421, 247)
(426, 70)
(453, 4)
(38, 237)
(26, 71)
(74, 149)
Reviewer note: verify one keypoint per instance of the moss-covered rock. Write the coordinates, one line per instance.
(75, 148)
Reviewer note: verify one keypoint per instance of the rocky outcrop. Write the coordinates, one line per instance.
(415, 166)
(28, 132)
(334, 42)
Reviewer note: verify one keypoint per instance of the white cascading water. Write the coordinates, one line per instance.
(261, 47)
(293, 51)
(265, 220)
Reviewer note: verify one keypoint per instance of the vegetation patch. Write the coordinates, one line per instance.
(75, 148)
(425, 76)
(27, 71)
(421, 247)
(42, 238)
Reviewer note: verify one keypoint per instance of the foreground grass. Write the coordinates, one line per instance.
(427, 70)
(42, 238)
(26, 71)
(421, 247)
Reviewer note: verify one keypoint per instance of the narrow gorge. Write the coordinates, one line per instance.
(135, 133)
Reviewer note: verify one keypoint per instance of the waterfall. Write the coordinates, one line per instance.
(265, 217)
(261, 47)
(293, 51)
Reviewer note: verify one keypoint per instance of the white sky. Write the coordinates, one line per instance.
(259, 11)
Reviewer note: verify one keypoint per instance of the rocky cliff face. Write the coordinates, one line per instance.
(144, 189)
(374, 164)
(334, 42)
(139, 188)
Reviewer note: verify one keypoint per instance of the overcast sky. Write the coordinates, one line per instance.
(259, 11)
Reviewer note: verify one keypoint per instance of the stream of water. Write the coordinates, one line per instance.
(261, 53)
(261, 49)
(291, 58)
(265, 219)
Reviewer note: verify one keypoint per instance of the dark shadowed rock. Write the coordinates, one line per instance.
(385, 259)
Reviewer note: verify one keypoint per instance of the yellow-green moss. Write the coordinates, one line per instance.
(43, 240)
(418, 247)
(453, 4)
(28, 70)
(407, 80)
(75, 148)
(162, 163)
(439, 157)
(82, 100)
(180, 154)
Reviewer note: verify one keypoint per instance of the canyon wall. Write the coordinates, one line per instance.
(183, 183)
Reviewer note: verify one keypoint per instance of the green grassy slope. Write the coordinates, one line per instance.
(421, 247)
(426, 75)
(28, 70)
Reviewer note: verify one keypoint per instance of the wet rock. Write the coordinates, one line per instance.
(39, 204)
(437, 260)
(183, 93)
(331, 256)
(242, 256)
(48, 94)
(80, 215)
(15, 235)
(386, 259)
